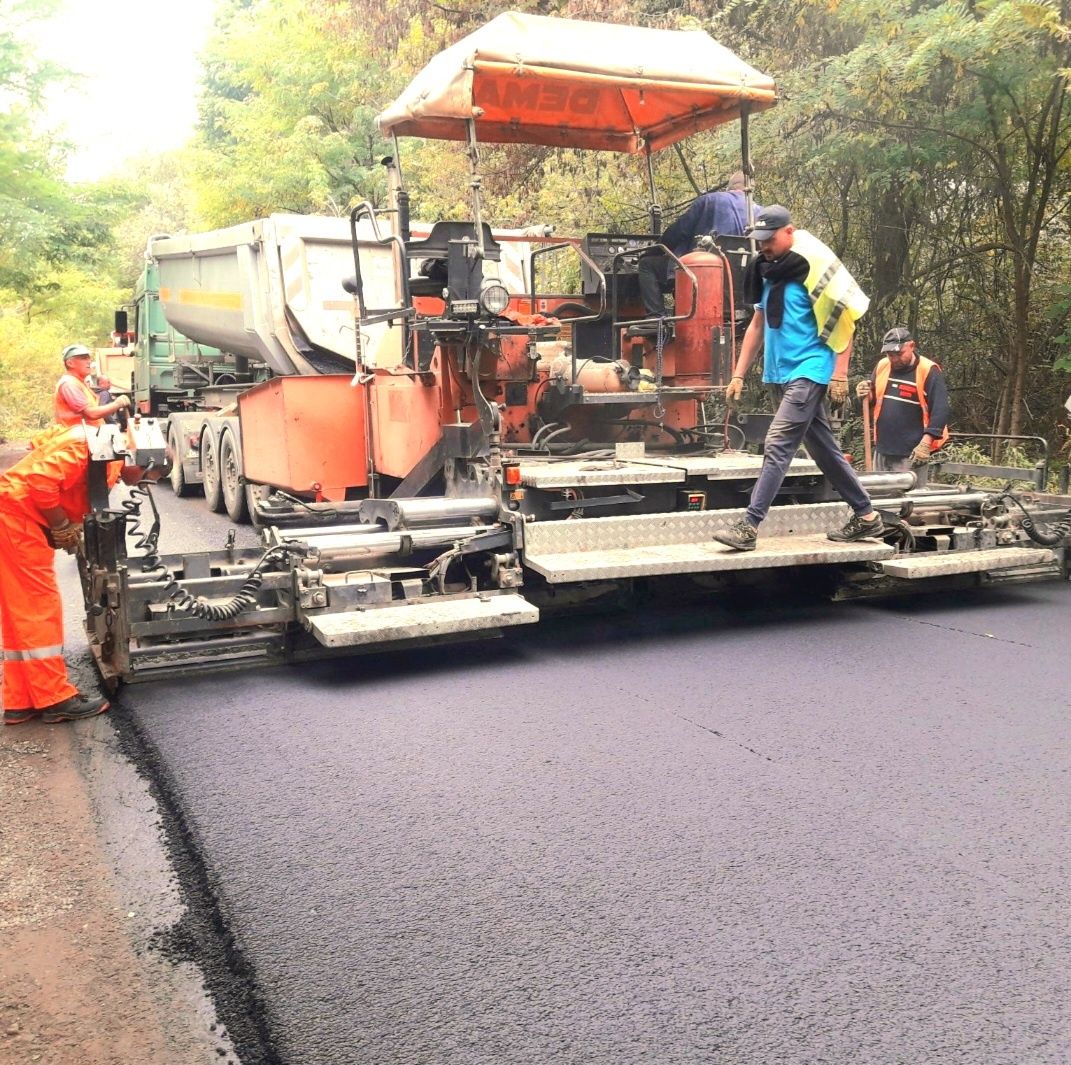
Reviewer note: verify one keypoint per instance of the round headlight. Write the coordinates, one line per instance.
(494, 298)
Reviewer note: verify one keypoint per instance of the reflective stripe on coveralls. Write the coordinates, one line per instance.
(26, 656)
(882, 373)
(53, 474)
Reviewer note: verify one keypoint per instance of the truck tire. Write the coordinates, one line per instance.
(232, 482)
(210, 471)
(177, 478)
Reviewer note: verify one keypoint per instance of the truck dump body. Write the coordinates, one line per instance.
(271, 291)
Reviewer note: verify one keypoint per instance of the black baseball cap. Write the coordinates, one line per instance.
(896, 338)
(769, 220)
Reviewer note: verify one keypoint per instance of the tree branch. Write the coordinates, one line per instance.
(913, 128)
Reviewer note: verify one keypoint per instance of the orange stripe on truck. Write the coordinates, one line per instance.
(225, 301)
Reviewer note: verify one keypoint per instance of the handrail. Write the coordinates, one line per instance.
(588, 261)
(1040, 470)
(379, 314)
(616, 342)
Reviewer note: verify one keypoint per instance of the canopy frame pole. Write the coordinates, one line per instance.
(655, 207)
(476, 184)
(398, 192)
(747, 167)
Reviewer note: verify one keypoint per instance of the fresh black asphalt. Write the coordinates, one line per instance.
(757, 833)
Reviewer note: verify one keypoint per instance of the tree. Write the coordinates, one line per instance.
(33, 200)
(928, 143)
(292, 91)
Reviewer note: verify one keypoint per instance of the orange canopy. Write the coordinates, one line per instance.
(530, 79)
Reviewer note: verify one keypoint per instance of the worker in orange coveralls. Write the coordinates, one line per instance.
(43, 499)
(74, 401)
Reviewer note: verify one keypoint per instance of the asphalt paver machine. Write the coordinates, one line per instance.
(507, 444)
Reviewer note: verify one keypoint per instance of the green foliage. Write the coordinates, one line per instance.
(928, 143)
(155, 196)
(29, 368)
(33, 203)
(297, 85)
(57, 275)
(70, 306)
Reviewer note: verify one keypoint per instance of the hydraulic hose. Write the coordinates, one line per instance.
(1048, 534)
(178, 599)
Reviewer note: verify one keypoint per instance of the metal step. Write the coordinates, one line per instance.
(706, 557)
(650, 469)
(628, 532)
(420, 619)
(947, 564)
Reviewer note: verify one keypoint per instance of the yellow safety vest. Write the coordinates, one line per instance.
(836, 297)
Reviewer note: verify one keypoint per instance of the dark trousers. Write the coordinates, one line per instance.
(901, 464)
(803, 418)
(655, 274)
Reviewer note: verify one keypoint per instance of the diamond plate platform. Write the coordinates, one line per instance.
(728, 466)
(413, 621)
(914, 567)
(588, 473)
(707, 557)
(651, 469)
(677, 527)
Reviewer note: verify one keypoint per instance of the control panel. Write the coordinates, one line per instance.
(603, 247)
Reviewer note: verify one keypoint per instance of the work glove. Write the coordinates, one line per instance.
(837, 391)
(734, 390)
(124, 402)
(923, 451)
(862, 390)
(66, 537)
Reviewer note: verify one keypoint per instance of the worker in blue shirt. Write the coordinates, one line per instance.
(806, 305)
(722, 212)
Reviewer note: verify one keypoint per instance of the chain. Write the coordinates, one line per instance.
(660, 344)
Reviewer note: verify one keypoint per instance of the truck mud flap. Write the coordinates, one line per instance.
(915, 567)
(421, 619)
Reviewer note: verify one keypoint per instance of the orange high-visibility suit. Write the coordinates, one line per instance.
(53, 474)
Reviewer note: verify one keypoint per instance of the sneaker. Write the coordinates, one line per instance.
(19, 717)
(740, 536)
(858, 528)
(75, 708)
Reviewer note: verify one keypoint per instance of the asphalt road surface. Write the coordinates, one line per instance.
(750, 834)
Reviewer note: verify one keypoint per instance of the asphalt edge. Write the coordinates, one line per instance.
(202, 935)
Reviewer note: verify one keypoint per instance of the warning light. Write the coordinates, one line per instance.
(511, 473)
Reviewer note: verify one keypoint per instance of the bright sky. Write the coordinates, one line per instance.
(138, 93)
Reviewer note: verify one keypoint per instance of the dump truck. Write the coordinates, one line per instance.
(446, 443)
(169, 376)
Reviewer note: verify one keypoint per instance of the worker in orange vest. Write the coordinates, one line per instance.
(911, 407)
(74, 400)
(43, 499)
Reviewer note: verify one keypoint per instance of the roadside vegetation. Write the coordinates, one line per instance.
(926, 140)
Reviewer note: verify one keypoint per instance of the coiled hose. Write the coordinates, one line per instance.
(1048, 534)
(178, 599)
